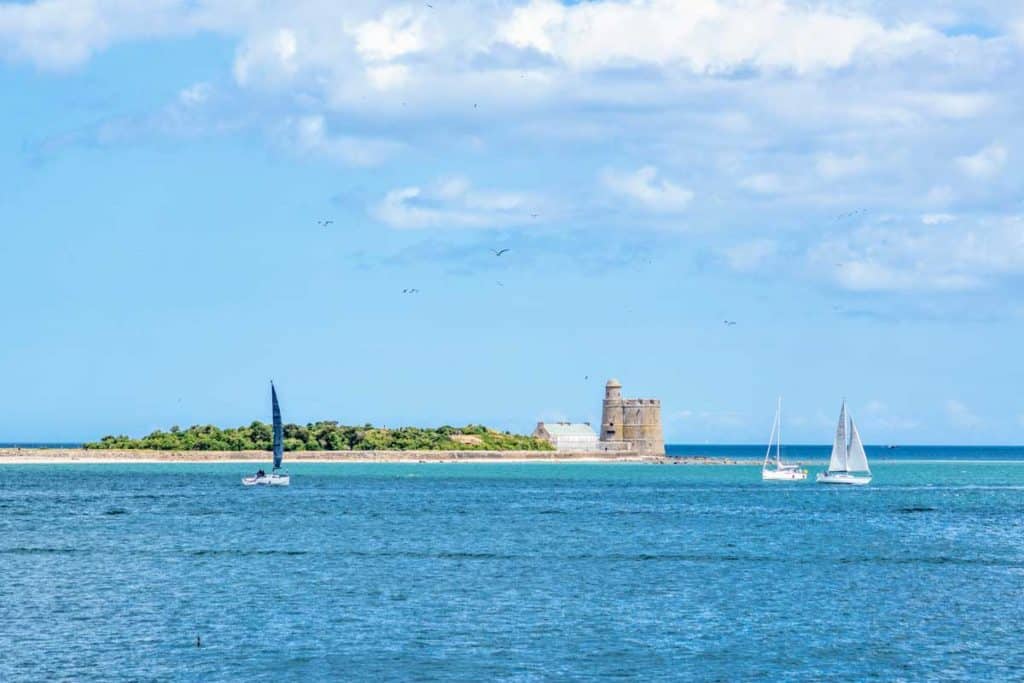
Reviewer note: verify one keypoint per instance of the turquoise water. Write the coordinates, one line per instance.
(510, 572)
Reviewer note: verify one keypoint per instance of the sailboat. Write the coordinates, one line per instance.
(774, 469)
(277, 476)
(849, 462)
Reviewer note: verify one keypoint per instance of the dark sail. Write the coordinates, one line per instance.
(278, 429)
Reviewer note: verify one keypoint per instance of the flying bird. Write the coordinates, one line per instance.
(410, 291)
(729, 323)
(324, 223)
(499, 252)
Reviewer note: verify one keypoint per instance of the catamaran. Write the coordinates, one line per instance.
(774, 469)
(277, 476)
(849, 462)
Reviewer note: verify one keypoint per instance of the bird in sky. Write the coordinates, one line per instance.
(324, 224)
(499, 252)
(729, 323)
(410, 291)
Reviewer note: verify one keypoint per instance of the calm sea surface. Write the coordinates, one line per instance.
(510, 572)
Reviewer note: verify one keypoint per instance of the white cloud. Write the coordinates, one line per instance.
(309, 135)
(452, 203)
(750, 256)
(705, 36)
(195, 94)
(960, 415)
(762, 183)
(985, 163)
(395, 34)
(644, 187)
(937, 218)
(832, 166)
(961, 255)
(951, 105)
(267, 58)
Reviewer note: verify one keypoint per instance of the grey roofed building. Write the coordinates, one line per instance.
(570, 437)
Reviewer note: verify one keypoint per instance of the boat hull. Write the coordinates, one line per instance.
(784, 475)
(267, 480)
(843, 478)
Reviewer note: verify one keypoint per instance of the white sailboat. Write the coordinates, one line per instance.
(849, 462)
(277, 476)
(774, 469)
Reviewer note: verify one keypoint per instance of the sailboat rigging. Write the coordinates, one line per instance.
(277, 476)
(848, 463)
(774, 469)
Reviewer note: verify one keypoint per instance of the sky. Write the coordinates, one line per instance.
(841, 179)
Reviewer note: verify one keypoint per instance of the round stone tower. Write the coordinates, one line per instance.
(642, 425)
(631, 424)
(611, 413)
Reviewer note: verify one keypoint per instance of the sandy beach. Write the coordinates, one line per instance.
(41, 456)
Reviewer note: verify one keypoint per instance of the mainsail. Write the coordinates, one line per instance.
(857, 459)
(278, 429)
(837, 463)
(775, 439)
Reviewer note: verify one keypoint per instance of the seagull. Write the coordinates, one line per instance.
(500, 283)
(499, 252)
(324, 223)
(534, 215)
(410, 291)
(729, 323)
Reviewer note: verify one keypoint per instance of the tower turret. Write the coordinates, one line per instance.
(611, 413)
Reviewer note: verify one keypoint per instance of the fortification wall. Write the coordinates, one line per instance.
(632, 424)
(642, 425)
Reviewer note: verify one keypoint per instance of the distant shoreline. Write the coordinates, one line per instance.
(40, 456)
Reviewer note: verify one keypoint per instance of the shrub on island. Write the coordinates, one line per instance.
(326, 436)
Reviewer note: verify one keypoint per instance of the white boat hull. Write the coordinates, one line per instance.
(843, 478)
(788, 474)
(267, 480)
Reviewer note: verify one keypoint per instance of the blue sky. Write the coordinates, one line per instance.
(842, 179)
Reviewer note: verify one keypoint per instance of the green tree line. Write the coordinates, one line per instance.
(325, 436)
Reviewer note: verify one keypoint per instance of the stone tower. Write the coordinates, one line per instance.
(611, 412)
(630, 424)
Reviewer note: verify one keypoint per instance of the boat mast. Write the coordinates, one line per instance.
(778, 443)
(771, 439)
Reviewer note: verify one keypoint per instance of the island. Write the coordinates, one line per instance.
(326, 436)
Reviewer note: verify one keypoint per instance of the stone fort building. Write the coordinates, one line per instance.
(630, 424)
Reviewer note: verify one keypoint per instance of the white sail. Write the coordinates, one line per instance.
(857, 459)
(837, 463)
(776, 429)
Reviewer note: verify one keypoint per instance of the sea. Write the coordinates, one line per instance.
(515, 572)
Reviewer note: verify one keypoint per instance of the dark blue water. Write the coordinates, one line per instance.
(875, 453)
(510, 572)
